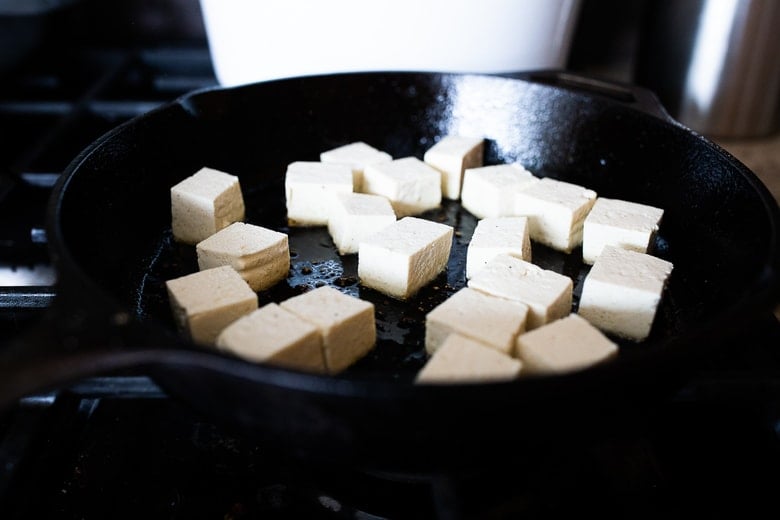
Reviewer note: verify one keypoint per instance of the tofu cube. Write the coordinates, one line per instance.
(547, 293)
(490, 191)
(206, 302)
(310, 188)
(622, 291)
(355, 217)
(261, 256)
(411, 185)
(494, 236)
(556, 211)
(463, 360)
(357, 155)
(564, 345)
(275, 336)
(204, 203)
(403, 257)
(619, 223)
(346, 324)
(451, 156)
(494, 321)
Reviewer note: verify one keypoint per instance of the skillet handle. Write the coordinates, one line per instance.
(69, 343)
(632, 95)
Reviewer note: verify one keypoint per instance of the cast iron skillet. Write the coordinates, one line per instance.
(109, 230)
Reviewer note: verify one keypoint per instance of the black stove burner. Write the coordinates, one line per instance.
(50, 110)
(120, 448)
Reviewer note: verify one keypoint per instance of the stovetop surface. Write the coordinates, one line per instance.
(120, 448)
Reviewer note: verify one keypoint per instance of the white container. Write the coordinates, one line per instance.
(256, 40)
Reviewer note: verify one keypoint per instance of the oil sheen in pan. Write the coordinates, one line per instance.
(400, 349)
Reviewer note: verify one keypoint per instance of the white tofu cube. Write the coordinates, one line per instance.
(556, 211)
(622, 291)
(547, 293)
(494, 321)
(206, 302)
(463, 360)
(204, 203)
(310, 188)
(451, 156)
(411, 185)
(403, 257)
(357, 155)
(355, 217)
(275, 336)
(494, 236)
(564, 345)
(261, 256)
(489, 191)
(346, 324)
(618, 223)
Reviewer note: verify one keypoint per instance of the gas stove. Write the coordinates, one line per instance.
(119, 447)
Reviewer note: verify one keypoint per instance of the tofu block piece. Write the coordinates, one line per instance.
(357, 155)
(261, 256)
(206, 302)
(622, 291)
(403, 257)
(489, 191)
(204, 203)
(355, 217)
(564, 345)
(451, 156)
(275, 336)
(463, 360)
(494, 236)
(547, 293)
(346, 324)
(411, 185)
(310, 188)
(618, 223)
(494, 321)
(556, 211)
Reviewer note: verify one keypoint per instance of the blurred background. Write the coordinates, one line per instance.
(713, 63)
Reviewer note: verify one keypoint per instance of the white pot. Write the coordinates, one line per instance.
(256, 40)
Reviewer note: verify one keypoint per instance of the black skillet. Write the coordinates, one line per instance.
(109, 230)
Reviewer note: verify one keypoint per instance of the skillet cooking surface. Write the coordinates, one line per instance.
(400, 349)
(119, 191)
